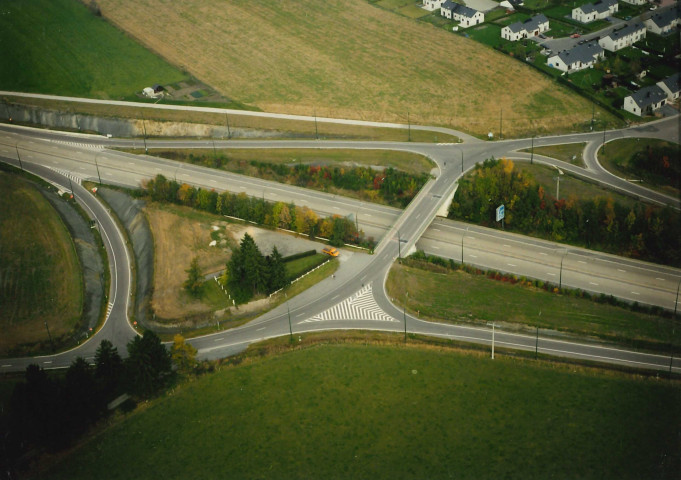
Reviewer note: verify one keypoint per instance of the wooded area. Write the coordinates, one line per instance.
(642, 231)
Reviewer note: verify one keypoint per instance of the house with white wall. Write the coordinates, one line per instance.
(646, 101)
(595, 11)
(671, 86)
(577, 58)
(466, 16)
(636, 2)
(529, 28)
(664, 22)
(431, 5)
(624, 37)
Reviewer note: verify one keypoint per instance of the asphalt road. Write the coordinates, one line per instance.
(356, 297)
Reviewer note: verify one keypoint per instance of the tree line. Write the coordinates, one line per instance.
(638, 231)
(338, 230)
(50, 412)
(391, 186)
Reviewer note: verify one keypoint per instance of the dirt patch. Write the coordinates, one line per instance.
(178, 239)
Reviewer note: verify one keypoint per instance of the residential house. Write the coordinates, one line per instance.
(624, 37)
(431, 5)
(577, 58)
(595, 11)
(529, 28)
(460, 13)
(665, 21)
(671, 86)
(646, 101)
(636, 2)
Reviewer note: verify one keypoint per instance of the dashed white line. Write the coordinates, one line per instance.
(581, 262)
(131, 163)
(542, 253)
(511, 265)
(551, 274)
(620, 270)
(473, 256)
(592, 283)
(48, 361)
(436, 229)
(263, 328)
(436, 248)
(660, 279)
(5, 366)
(507, 246)
(219, 339)
(636, 293)
(368, 215)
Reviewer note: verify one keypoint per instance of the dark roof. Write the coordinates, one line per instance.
(529, 24)
(627, 30)
(581, 53)
(667, 17)
(459, 9)
(673, 83)
(600, 6)
(648, 96)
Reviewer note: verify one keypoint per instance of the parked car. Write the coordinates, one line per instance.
(575, 35)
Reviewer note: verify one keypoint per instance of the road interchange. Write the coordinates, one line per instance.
(362, 282)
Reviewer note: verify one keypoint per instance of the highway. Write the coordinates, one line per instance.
(356, 297)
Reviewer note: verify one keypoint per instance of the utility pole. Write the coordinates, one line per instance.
(399, 246)
(501, 117)
(229, 132)
(603, 137)
(677, 299)
(404, 313)
(144, 126)
(461, 161)
(73, 194)
(536, 342)
(492, 340)
(215, 152)
(558, 187)
(288, 310)
(532, 152)
(21, 165)
(408, 126)
(97, 165)
(49, 335)
(593, 113)
(316, 131)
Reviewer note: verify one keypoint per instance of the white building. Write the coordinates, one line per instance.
(624, 37)
(636, 2)
(529, 28)
(595, 11)
(577, 58)
(664, 22)
(431, 5)
(466, 17)
(671, 86)
(647, 100)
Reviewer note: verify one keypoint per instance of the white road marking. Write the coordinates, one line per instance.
(219, 339)
(436, 248)
(542, 253)
(263, 328)
(368, 215)
(473, 256)
(436, 229)
(581, 262)
(507, 246)
(48, 361)
(660, 279)
(5, 366)
(335, 297)
(552, 274)
(592, 283)
(636, 293)
(620, 270)
(511, 265)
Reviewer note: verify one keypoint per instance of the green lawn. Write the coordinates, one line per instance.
(458, 296)
(60, 47)
(487, 33)
(617, 158)
(295, 268)
(569, 152)
(350, 411)
(40, 275)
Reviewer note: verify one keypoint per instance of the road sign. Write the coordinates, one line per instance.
(500, 212)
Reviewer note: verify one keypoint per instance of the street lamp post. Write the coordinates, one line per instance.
(404, 313)
(532, 152)
(676, 303)
(97, 165)
(399, 246)
(560, 275)
(144, 126)
(492, 340)
(21, 165)
(288, 310)
(461, 161)
(463, 235)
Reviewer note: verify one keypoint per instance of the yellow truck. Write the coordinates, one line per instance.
(331, 251)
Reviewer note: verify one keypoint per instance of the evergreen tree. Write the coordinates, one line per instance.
(148, 364)
(277, 271)
(193, 282)
(108, 369)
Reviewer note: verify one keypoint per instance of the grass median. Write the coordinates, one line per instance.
(455, 296)
(354, 411)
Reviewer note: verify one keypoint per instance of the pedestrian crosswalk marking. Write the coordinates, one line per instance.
(108, 311)
(67, 174)
(360, 306)
(79, 144)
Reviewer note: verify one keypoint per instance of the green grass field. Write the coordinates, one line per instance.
(568, 152)
(60, 47)
(299, 266)
(617, 156)
(41, 281)
(459, 296)
(350, 411)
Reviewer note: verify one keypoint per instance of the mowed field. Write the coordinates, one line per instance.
(356, 412)
(60, 47)
(348, 59)
(40, 277)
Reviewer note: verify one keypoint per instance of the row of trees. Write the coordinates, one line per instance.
(640, 231)
(51, 411)
(250, 273)
(337, 229)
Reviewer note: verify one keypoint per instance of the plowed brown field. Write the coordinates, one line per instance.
(347, 58)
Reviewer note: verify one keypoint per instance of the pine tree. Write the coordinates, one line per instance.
(193, 282)
(277, 271)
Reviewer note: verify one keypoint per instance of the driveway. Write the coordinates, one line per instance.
(565, 43)
(481, 5)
